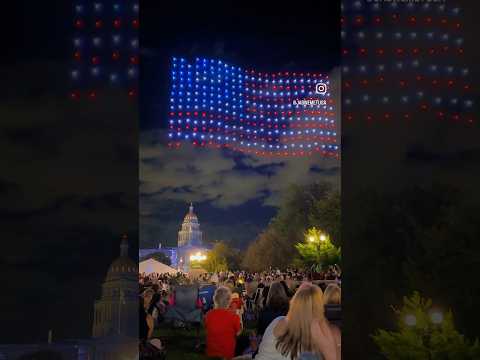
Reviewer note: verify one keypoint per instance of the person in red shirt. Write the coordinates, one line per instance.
(236, 303)
(222, 326)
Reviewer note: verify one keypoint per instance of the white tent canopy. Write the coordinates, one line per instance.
(153, 266)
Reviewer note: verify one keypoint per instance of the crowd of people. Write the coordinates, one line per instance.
(270, 315)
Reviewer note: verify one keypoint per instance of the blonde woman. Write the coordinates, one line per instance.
(332, 295)
(333, 300)
(304, 329)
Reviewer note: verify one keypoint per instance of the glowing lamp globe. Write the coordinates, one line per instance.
(198, 257)
(436, 317)
(410, 320)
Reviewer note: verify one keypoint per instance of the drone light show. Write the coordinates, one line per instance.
(215, 104)
(105, 47)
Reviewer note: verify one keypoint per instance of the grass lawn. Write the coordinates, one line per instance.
(180, 343)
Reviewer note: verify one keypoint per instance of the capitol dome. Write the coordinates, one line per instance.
(191, 216)
(123, 266)
(190, 233)
(116, 310)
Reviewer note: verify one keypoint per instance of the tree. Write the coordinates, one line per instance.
(217, 258)
(270, 249)
(234, 259)
(326, 214)
(304, 207)
(424, 333)
(159, 256)
(418, 237)
(317, 249)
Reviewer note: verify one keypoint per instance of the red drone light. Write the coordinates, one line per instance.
(358, 20)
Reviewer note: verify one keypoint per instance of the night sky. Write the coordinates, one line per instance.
(69, 182)
(234, 195)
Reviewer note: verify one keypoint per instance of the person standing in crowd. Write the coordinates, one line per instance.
(146, 321)
(266, 288)
(222, 326)
(276, 305)
(304, 329)
(250, 287)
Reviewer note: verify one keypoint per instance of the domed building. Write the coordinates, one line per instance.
(190, 249)
(190, 233)
(116, 313)
(189, 245)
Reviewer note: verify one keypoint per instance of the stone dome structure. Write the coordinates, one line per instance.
(123, 267)
(116, 313)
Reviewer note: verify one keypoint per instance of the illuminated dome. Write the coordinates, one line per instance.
(122, 267)
(190, 233)
(190, 217)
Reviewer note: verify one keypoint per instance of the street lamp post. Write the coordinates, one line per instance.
(436, 318)
(197, 259)
(318, 240)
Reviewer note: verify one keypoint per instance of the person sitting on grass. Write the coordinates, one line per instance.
(332, 298)
(222, 326)
(276, 305)
(332, 295)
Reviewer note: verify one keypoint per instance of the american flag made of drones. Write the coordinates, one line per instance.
(104, 47)
(215, 104)
(404, 60)
(401, 60)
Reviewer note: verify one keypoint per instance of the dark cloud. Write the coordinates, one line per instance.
(236, 225)
(418, 153)
(245, 189)
(326, 171)
(69, 190)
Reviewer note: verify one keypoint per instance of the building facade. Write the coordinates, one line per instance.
(189, 243)
(190, 233)
(116, 312)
